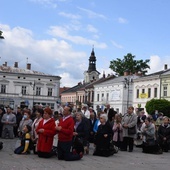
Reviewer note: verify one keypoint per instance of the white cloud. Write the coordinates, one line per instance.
(69, 15)
(91, 28)
(74, 25)
(116, 45)
(61, 32)
(51, 56)
(157, 64)
(92, 14)
(122, 20)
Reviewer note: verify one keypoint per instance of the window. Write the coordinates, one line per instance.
(24, 90)
(3, 88)
(155, 92)
(165, 89)
(143, 90)
(50, 91)
(149, 92)
(38, 91)
(137, 93)
(98, 97)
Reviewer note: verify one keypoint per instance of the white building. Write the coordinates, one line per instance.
(146, 88)
(117, 92)
(27, 87)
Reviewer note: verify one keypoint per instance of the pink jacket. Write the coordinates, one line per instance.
(115, 131)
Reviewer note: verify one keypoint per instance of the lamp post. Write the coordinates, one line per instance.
(33, 87)
(1, 37)
(127, 83)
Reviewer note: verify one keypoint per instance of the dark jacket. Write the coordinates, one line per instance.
(103, 143)
(111, 113)
(164, 131)
(83, 131)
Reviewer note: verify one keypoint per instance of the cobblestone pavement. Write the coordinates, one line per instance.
(121, 161)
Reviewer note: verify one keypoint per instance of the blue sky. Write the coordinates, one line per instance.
(57, 36)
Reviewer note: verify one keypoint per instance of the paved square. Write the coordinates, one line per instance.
(120, 161)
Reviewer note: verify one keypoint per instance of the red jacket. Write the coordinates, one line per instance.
(66, 133)
(45, 139)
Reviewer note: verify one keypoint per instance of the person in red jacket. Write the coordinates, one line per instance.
(46, 131)
(65, 131)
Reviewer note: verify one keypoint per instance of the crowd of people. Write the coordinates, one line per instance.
(67, 133)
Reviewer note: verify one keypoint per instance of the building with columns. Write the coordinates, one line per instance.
(25, 87)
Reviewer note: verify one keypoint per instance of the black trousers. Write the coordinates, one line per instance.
(45, 154)
(64, 151)
(128, 142)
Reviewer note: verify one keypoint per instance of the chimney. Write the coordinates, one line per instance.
(79, 84)
(104, 76)
(5, 64)
(108, 75)
(29, 66)
(16, 64)
(165, 66)
(126, 73)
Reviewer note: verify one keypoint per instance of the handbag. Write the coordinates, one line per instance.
(132, 130)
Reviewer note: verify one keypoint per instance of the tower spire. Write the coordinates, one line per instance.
(92, 61)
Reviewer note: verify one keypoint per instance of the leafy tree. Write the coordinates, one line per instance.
(129, 63)
(1, 37)
(162, 105)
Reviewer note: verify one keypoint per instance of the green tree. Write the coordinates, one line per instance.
(1, 37)
(129, 63)
(162, 105)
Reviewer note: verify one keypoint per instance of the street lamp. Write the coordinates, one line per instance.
(1, 37)
(33, 87)
(127, 83)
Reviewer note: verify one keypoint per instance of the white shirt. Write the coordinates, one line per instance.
(46, 120)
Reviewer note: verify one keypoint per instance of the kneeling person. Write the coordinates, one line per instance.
(24, 148)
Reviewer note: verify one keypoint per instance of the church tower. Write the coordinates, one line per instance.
(91, 74)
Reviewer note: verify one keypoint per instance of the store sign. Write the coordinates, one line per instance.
(115, 95)
(143, 95)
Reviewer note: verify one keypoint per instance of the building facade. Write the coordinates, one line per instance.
(118, 92)
(25, 87)
(152, 86)
(165, 85)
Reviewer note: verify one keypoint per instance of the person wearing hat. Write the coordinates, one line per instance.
(24, 148)
(46, 131)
